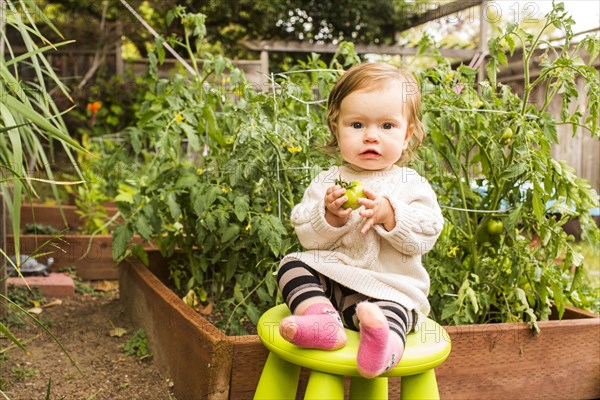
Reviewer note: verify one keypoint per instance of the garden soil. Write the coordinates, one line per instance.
(85, 324)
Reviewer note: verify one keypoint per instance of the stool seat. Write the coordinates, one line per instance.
(425, 349)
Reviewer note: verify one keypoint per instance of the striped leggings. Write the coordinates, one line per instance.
(298, 282)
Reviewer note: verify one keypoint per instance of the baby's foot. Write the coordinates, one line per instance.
(320, 327)
(379, 349)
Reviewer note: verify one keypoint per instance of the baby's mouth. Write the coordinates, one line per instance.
(369, 154)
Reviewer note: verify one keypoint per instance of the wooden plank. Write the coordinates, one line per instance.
(249, 356)
(510, 361)
(293, 46)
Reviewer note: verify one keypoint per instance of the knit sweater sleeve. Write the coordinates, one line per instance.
(419, 219)
(308, 218)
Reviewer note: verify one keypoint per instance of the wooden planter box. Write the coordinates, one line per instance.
(50, 215)
(72, 251)
(509, 361)
(487, 361)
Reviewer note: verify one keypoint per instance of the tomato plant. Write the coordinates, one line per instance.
(222, 163)
(496, 260)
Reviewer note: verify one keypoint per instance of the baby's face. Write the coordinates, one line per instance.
(372, 128)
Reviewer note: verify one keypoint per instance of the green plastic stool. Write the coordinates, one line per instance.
(425, 350)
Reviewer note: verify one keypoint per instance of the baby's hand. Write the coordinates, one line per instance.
(334, 213)
(377, 210)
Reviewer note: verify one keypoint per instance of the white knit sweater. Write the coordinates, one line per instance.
(379, 264)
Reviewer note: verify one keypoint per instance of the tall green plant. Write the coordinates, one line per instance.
(223, 162)
(29, 118)
(503, 256)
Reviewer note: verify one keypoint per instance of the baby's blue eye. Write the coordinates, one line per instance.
(387, 125)
(357, 125)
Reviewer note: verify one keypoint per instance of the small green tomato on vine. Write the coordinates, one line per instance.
(507, 136)
(495, 227)
(354, 191)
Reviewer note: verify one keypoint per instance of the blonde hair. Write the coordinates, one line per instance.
(373, 76)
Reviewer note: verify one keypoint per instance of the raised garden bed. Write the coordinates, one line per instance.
(91, 256)
(510, 361)
(72, 251)
(51, 215)
(487, 361)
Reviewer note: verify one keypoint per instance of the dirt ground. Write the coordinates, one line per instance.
(85, 325)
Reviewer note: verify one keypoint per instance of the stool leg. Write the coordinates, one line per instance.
(278, 380)
(362, 388)
(420, 386)
(324, 386)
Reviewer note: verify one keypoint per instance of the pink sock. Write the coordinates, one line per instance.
(379, 349)
(320, 327)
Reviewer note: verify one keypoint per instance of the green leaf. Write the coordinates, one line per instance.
(592, 47)
(450, 309)
(192, 136)
(124, 197)
(473, 299)
(121, 237)
(237, 293)
(30, 114)
(466, 71)
(537, 203)
(253, 313)
(264, 295)
(139, 252)
(511, 44)
(231, 267)
(174, 207)
(8, 334)
(187, 180)
(271, 283)
(205, 197)
(240, 207)
(514, 171)
(160, 50)
(492, 68)
(229, 232)
(211, 222)
(143, 228)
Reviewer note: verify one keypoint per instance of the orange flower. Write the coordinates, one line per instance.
(94, 107)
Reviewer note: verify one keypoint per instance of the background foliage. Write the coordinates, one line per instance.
(231, 20)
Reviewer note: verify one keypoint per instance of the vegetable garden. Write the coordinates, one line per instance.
(210, 165)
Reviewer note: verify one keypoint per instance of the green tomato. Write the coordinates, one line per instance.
(507, 136)
(354, 191)
(495, 227)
